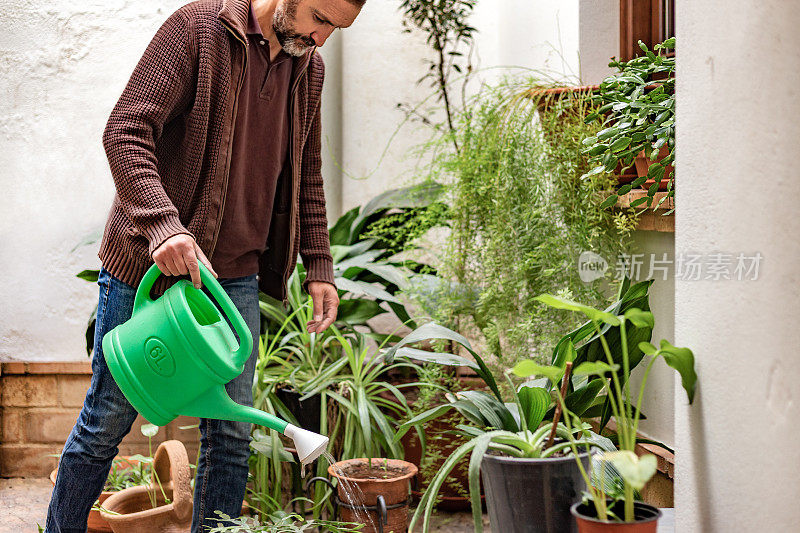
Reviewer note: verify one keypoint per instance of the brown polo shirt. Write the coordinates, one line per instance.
(259, 151)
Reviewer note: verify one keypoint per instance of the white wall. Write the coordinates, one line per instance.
(64, 65)
(599, 41)
(380, 67)
(599, 38)
(738, 77)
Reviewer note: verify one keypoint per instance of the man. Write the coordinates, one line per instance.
(214, 147)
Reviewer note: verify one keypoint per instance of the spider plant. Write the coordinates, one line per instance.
(369, 408)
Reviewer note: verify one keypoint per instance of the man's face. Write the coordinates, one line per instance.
(301, 24)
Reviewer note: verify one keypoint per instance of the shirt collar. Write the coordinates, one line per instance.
(252, 23)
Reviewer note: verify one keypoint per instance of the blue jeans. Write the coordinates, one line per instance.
(106, 417)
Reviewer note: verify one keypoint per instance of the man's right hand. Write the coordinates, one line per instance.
(179, 255)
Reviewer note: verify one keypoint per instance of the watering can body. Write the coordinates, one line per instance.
(176, 353)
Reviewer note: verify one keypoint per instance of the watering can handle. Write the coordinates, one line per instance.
(210, 282)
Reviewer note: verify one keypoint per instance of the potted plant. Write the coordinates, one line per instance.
(374, 492)
(600, 512)
(354, 409)
(164, 505)
(637, 110)
(126, 471)
(528, 449)
(441, 442)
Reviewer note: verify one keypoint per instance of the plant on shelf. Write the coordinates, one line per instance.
(520, 216)
(637, 113)
(625, 408)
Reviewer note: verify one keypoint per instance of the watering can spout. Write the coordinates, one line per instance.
(309, 445)
(215, 403)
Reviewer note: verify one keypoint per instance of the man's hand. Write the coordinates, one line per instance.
(326, 302)
(178, 255)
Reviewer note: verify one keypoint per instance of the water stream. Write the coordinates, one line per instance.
(353, 495)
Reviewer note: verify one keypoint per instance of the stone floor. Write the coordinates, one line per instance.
(23, 504)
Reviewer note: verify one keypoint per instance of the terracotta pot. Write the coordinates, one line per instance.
(546, 97)
(646, 517)
(395, 491)
(96, 524)
(135, 511)
(643, 164)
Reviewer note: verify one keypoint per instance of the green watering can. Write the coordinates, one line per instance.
(176, 353)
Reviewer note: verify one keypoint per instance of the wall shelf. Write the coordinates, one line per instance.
(651, 220)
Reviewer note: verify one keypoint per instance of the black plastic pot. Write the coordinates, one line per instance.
(307, 412)
(532, 495)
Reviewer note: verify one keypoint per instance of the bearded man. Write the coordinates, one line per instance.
(214, 147)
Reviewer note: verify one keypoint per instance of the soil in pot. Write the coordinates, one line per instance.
(360, 484)
(532, 495)
(646, 517)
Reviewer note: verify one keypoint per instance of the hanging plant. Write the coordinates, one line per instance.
(637, 111)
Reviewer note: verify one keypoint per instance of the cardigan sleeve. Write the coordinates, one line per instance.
(161, 86)
(315, 248)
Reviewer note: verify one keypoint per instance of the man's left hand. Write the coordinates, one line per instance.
(326, 303)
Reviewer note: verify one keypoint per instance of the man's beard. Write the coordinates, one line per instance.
(283, 26)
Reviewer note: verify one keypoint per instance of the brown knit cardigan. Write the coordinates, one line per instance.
(168, 143)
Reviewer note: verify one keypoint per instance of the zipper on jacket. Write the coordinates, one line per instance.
(230, 143)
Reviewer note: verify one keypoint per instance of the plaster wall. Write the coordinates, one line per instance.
(737, 452)
(381, 65)
(599, 38)
(599, 41)
(64, 66)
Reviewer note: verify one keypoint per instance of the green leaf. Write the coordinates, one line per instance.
(592, 313)
(682, 360)
(594, 368)
(639, 318)
(607, 133)
(439, 358)
(149, 430)
(610, 201)
(528, 368)
(582, 397)
(598, 149)
(647, 348)
(620, 144)
(433, 330)
(535, 401)
(357, 311)
(635, 470)
(88, 275)
(364, 289)
(495, 412)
